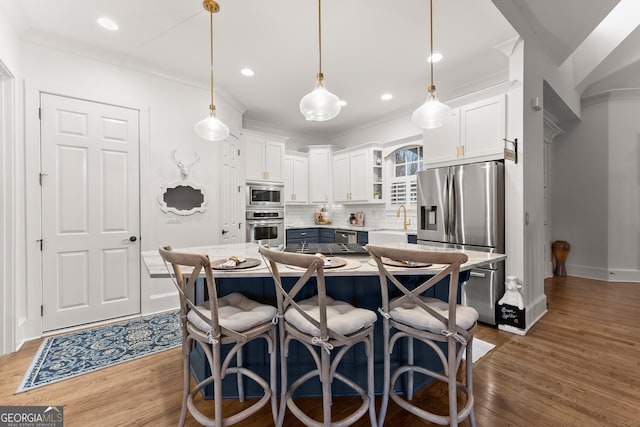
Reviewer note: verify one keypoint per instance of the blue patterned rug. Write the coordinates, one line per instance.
(65, 356)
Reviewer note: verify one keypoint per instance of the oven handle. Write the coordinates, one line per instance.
(264, 222)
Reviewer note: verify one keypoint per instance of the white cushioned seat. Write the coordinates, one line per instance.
(342, 317)
(412, 315)
(235, 312)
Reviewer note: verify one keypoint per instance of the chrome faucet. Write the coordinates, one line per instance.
(405, 223)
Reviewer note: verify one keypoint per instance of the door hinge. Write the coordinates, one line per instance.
(238, 152)
(42, 311)
(40, 177)
(41, 243)
(39, 113)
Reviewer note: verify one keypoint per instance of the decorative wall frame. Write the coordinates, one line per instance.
(182, 198)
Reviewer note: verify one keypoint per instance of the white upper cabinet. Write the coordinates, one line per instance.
(296, 179)
(483, 127)
(341, 178)
(475, 132)
(357, 176)
(264, 156)
(443, 144)
(320, 176)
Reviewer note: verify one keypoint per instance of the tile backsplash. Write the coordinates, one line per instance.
(376, 216)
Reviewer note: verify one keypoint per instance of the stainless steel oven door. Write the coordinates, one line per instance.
(266, 232)
(261, 196)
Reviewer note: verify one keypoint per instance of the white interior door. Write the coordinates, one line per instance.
(231, 192)
(90, 211)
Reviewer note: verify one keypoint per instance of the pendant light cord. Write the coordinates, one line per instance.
(212, 106)
(319, 41)
(431, 39)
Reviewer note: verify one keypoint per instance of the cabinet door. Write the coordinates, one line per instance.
(288, 179)
(442, 144)
(296, 181)
(319, 176)
(254, 157)
(341, 184)
(274, 160)
(483, 127)
(300, 179)
(358, 176)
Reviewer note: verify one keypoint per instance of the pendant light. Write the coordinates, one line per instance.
(210, 128)
(320, 105)
(432, 113)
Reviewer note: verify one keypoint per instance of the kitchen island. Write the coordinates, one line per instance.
(357, 282)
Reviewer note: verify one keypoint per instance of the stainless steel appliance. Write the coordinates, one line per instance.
(463, 207)
(346, 236)
(262, 195)
(338, 249)
(266, 227)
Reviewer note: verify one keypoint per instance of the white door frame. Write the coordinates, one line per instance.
(29, 323)
(7, 211)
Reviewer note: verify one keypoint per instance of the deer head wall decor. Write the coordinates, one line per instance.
(183, 164)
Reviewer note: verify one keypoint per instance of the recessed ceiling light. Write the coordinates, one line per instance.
(343, 102)
(386, 97)
(108, 24)
(247, 72)
(435, 57)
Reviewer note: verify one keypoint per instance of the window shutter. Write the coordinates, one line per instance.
(398, 193)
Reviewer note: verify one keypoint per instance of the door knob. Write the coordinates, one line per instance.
(133, 238)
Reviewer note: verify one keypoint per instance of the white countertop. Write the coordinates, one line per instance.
(357, 265)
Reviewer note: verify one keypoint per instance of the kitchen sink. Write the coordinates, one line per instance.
(377, 237)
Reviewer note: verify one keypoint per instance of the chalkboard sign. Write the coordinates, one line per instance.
(510, 315)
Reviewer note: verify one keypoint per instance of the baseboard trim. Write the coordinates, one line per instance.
(607, 275)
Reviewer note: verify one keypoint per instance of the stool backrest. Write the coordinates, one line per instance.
(312, 266)
(451, 262)
(187, 268)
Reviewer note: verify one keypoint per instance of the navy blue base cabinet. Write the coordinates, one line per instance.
(361, 291)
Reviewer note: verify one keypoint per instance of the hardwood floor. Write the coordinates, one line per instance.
(578, 366)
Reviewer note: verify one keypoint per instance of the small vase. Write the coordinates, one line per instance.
(560, 251)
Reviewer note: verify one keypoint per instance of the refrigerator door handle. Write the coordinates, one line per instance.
(446, 205)
(452, 207)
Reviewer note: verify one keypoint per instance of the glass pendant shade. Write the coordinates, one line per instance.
(432, 113)
(212, 129)
(320, 104)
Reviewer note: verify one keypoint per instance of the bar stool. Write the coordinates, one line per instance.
(328, 329)
(430, 321)
(232, 319)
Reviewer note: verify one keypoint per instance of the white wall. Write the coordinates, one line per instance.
(579, 206)
(169, 110)
(596, 192)
(624, 187)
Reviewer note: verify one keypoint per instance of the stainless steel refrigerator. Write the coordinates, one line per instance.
(463, 207)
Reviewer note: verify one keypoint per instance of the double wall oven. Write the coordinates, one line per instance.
(265, 214)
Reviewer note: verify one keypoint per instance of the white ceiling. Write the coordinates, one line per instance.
(369, 47)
